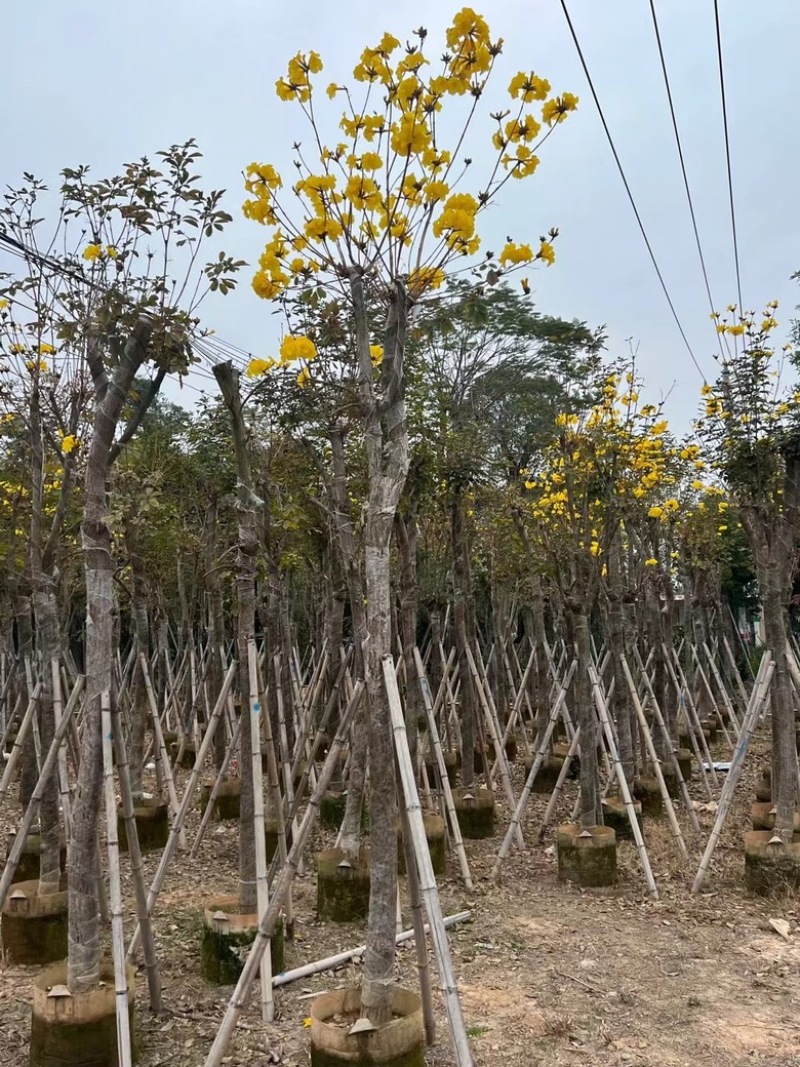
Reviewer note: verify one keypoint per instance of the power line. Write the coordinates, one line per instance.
(683, 166)
(728, 156)
(628, 191)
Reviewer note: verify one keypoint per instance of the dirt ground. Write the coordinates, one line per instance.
(547, 974)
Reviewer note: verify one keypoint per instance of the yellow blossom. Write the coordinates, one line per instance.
(68, 443)
(259, 366)
(651, 562)
(376, 354)
(298, 347)
(514, 253)
(92, 252)
(546, 253)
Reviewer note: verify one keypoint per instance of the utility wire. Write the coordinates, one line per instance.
(728, 156)
(683, 167)
(628, 191)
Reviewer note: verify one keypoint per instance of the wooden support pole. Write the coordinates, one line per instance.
(269, 920)
(757, 698)
(115, 890)
(429, 889)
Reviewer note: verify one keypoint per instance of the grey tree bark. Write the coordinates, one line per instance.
(386, 438)
(111, 394)
(228, 381)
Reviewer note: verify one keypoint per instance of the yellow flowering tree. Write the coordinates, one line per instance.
(751, 425)
(604, 466)
(391, 204)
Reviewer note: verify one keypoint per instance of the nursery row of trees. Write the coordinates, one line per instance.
(427, 459)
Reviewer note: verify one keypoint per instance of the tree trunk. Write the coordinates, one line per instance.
(84, 929)
(386, 439)
(617, 644)
(216, 621)
(407, 537)
(140, 705)
(247, 551)
(351, 824)
(464, 632)
(590, 811)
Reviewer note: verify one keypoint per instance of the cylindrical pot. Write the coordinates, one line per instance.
(615, 815)
(770, 866)
(647, 792)
(227, 936)
(398, 1043)
(342, 891)
(28, 866)
(435, 835)
(152, 825)
(586, 857)
(475, 812)
(227, 800)
(80, 1029)
(34, 928)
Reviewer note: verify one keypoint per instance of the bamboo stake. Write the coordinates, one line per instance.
(137, 867)
(332, 962)
(177, 825)
(268, 921)
(562, 777)
(653, 757)
(117, 931)
(216, 788)
(541, 753)
(171, 792)
(63, 777)
(260, 829)
(32, 810)
(277, 804)
(427, 878)
(19, 741)
(445, 781)
(605, 722)
(757, 697)
(500, 751)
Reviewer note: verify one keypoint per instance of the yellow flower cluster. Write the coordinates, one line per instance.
(348, 214)
(601, 463)
(294, 347)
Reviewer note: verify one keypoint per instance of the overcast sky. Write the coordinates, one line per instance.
(102, 82)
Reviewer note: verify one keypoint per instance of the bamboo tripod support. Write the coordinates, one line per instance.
(427, 879)
(757, 698)
(32, 810)
(259, 827)
(644, 730)
(448, 795)
(605, 722)
(269, 920)
(177, 826)
(124, 1053)
(659, 718)
(161, 746)
(541, 753)
(137, 866)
